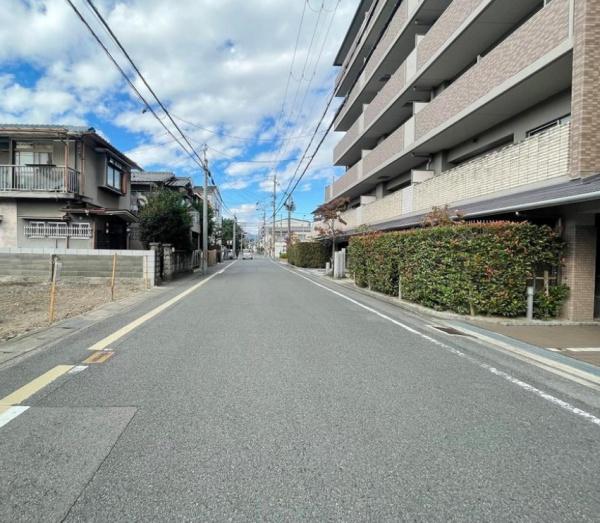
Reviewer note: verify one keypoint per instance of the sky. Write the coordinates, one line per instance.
(229, 72)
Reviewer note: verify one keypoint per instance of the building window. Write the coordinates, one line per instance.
(114, 175)
(38, 229)
(33, 153)
(549, 125)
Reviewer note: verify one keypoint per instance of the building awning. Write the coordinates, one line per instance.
(124, 214)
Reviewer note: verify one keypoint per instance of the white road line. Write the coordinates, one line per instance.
(526, 386)
(583, 349)
(77, 368)
(11, 413)
(109, 340)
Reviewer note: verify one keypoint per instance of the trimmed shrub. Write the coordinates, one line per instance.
(471, 268)
(313, 255)
(283, 255)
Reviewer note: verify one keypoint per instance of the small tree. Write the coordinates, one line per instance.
(165, 219)
(227, 233)
(330, 214)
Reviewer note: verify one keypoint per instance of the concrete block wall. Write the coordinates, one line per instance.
(23, 264)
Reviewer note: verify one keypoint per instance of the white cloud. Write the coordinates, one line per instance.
(222, 64)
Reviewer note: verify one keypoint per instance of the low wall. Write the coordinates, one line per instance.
(31, 264)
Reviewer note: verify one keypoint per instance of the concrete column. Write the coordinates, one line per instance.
(168, 268)
(580, 267)
(585, 101)
(157, 254)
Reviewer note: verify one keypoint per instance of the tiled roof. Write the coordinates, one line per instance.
(148, 176)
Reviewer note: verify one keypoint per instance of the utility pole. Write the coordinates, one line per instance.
(290, 206)
(273, 225)
(234, 224)
(205, 215)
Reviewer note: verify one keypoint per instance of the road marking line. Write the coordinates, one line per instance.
(77, 368)
(526, 386)
(99, 356)
(10, 413)
(117, 335)
(583, 349)
(35, 385)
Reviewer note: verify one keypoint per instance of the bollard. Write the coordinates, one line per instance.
(529, 303)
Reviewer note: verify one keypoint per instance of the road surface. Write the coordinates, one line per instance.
(268, 394)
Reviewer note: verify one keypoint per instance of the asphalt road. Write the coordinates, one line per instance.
(263, 396)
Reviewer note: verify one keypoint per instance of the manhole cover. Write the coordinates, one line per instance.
(451, 330)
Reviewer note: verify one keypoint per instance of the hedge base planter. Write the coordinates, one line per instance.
(480, 269)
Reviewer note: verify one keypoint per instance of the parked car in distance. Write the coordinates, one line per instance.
(247, 255)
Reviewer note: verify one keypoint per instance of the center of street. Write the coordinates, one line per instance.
(259, 392)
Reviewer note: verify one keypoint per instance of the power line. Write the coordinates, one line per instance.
(135, 67)
(126, 77)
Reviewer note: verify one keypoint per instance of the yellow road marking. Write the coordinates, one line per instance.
(99, 357)
(109, 340)
(35, 385)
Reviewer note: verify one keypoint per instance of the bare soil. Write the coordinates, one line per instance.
(24, 306)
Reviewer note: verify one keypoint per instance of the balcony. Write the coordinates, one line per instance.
(511, 169)
(528, 67)
(464, 30)
(411, 18)
(37, 181)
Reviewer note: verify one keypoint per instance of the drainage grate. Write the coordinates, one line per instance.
(452, 331)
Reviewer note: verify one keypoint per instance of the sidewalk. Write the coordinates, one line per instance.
(581, 342)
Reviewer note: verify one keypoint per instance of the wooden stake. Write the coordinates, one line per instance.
(112, 280)
(52, 292)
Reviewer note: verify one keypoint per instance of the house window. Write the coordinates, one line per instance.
(114, 175)
(33, 153)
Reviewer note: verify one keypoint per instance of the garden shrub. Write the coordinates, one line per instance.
(312, 255)
(470, 268)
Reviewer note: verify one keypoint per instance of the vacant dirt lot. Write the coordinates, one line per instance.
(24, 306)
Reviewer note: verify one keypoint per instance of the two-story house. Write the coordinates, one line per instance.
(490, 107)
(63, 186)
(145, 183)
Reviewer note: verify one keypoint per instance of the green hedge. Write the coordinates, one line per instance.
(313, 255)
(472, 268)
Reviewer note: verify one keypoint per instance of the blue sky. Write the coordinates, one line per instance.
(221, 67)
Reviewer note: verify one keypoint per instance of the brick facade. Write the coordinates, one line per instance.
(585, 112)
(452, 18)
(579, 271)
(542, 33)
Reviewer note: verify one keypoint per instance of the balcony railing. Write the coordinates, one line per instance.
(535, 159)
(46, 178)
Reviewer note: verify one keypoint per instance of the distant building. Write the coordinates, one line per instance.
(63, 186)
(301, 231)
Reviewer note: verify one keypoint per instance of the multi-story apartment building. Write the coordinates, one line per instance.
(62, 186)
(491, 107)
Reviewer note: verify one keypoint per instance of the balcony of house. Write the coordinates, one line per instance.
(539, 159)
(405, 24)
(531, 65)
(39, 181)
(464, 31)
